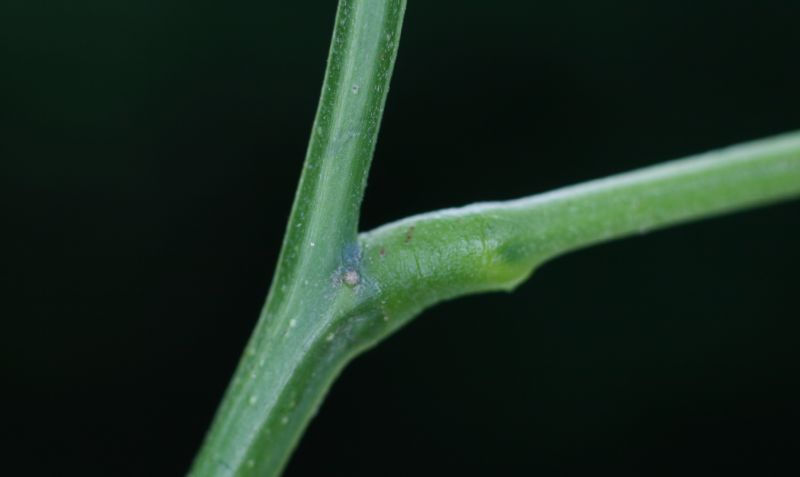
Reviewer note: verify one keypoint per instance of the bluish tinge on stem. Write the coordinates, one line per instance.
(305, 335)
(336, 293)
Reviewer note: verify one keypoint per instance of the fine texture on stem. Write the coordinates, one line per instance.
(303, 337)
(432, 257)
(336, 293)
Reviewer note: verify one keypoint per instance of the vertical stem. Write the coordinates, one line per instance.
(292, 357)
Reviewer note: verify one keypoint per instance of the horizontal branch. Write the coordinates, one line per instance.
(421, 260)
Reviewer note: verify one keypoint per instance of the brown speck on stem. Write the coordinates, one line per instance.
(382, 252)
(410, 234)
(351, 278)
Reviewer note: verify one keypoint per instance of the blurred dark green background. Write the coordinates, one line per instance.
(148, 156)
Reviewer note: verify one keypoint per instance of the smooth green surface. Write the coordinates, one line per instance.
(303, 337)
(336, 293)
(425, 259)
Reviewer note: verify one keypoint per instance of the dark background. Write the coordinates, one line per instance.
(148, 156)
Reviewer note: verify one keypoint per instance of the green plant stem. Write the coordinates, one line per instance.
(301, 340)
(336, 293)
(422, 260)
